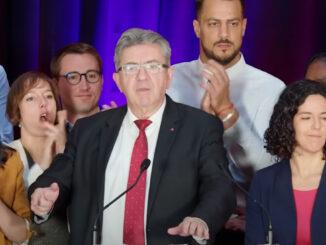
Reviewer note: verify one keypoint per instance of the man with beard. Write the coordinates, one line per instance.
(77, 68)
(221, 83)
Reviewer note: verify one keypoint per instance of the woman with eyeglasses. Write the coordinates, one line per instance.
(32, 105)
(14, 207)
(293, 191)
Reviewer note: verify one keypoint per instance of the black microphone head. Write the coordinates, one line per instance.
(145, 164)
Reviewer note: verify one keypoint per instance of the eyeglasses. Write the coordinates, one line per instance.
(74, 77)
(133, 69)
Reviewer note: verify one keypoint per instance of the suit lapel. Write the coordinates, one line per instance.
(108, 136)
(283, 213)
(318, 216)
(168, 130)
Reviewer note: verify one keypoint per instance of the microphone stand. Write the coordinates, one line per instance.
(269, 237)
(144, 165)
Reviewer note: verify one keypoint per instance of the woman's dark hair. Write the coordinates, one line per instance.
(280, 135)
(5, 154)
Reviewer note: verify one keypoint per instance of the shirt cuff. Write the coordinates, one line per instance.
(200, 240)
(40, 219)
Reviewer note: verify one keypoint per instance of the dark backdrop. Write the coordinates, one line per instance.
(281, 34)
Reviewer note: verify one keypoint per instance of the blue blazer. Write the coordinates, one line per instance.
(272, 187)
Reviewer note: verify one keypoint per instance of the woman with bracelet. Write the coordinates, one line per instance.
(293, 191)
(14, 207)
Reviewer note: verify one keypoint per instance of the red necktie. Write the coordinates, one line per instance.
(133, 227)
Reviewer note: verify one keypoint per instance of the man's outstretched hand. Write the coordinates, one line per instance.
(43, 199)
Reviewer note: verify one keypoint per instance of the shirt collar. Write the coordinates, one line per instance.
(237, 67)
(200, 64)
(69, 127)
(155, 118)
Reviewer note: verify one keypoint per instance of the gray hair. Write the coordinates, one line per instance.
(135, 36)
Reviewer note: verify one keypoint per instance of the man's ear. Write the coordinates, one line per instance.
(196, 26)
(170, 76)
(116, 78)
(244, 26)
(101, 79)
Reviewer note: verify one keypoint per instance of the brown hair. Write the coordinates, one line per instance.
(20, 88)
(199, 6)
(74, 48)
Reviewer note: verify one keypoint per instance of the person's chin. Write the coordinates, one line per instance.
(84, 99)
(145, 102)
(224, 54)
(85, 107)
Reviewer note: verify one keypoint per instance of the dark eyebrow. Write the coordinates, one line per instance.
(131, 63)
(152, 61)
(149, 61)
(309, 113)
(304, 112)
(219, 20)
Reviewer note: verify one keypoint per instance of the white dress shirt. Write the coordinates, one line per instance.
(253, 92)
(117, 172)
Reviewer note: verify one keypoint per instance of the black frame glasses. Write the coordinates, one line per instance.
(74, 77)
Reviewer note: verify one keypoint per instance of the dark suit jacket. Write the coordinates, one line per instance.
(272, 187)
(186, 179)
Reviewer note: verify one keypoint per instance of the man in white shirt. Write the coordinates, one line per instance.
(221, 83)
(187, 196)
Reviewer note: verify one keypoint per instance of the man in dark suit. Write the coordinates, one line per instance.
(185, 195)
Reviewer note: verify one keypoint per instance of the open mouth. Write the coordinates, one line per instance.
(44, 117)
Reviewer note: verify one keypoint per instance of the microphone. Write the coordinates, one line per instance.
(269, 237)
(144, 165)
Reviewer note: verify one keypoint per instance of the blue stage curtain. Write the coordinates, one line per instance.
(281, 34)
